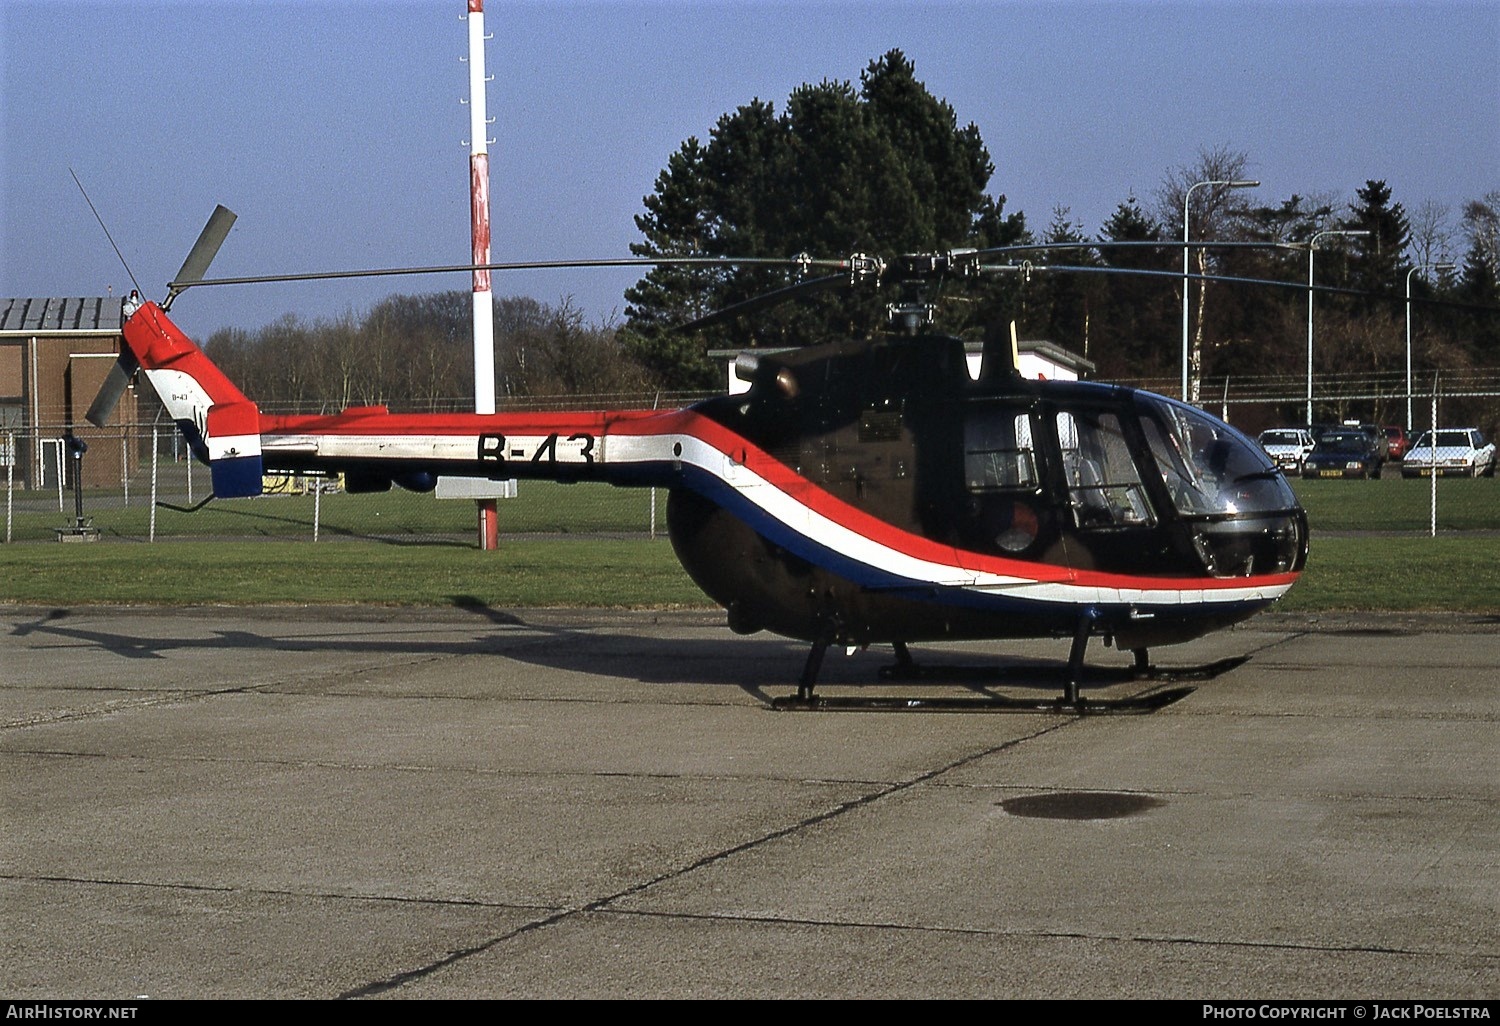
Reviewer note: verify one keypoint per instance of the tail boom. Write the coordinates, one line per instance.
(227, 431)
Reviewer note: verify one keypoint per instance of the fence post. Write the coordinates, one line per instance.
(59, 466)
(151, 531)
(655, 402)
(1432, 448)
(190, 475)
(317, 504)
(10, 478)
(125, 463)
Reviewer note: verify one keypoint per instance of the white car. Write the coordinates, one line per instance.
(1287, 447)
(1459, 451)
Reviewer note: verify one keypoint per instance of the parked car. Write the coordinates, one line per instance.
(1397, 441)
(1287, 447)
(1346, 452)
(1459, 451)
(1376, 433)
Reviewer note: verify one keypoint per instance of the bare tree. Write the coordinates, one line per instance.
(1481, 227)
(1215, 212)
(1432, 233)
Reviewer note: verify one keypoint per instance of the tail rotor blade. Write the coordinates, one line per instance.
(118, 379)
(202, 253)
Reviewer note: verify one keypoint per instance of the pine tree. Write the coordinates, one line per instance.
(1137, 327)
(1377, 261)
(882, 169)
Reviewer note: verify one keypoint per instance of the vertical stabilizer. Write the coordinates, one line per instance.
(220, 424)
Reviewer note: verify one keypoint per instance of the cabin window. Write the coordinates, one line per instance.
(1104, 490)
(998, 453)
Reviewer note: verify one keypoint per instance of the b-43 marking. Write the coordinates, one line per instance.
(492, 449)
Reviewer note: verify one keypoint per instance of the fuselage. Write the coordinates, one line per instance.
(928, 505)
(859, 492)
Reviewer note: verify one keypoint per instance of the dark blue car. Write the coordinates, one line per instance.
(1347, 452)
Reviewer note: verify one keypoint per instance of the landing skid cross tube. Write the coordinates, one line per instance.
(984, 702)
(981, 679)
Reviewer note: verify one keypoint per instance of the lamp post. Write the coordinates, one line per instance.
(1312, 247)
(1228, 184)
(1444, 267)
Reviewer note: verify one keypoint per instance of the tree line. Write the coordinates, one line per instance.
(884, 167)
(415, 353)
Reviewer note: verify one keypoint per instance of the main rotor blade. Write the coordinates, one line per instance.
(1143, 272)
(1103, 244)
(520, 265)
(765, 301)
(203, 252)
(115, 383)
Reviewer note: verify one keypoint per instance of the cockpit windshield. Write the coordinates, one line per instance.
(1209, 468)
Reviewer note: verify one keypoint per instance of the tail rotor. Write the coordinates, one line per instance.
(193, 268)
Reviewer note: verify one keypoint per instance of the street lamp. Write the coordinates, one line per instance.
(1228, 184)
(1312, 247)
(1441, 266)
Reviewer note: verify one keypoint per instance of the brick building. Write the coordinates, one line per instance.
(54, 355)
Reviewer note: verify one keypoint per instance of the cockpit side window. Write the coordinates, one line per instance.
(998, 451)
(1104, 489)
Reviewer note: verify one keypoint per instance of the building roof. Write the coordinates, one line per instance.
(1058, 355)
(60, 316)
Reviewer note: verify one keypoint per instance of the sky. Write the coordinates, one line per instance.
(337, 133)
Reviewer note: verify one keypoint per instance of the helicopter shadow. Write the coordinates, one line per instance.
(617, 648)
(946, 678)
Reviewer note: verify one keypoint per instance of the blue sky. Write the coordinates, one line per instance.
(336, 131)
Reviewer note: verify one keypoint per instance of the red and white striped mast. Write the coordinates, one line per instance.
(479, 207)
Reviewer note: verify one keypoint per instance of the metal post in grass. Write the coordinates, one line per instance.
(1432, 449)
(317, 505)
(151, 528)
(190, 476)
(59, 466)
(125, 463)
(10, 478)
(654, 403)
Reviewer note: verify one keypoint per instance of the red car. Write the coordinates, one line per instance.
(1397, 441)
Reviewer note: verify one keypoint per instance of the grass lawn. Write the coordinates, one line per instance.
(1400, 572)
(542, 507)
(402, 548)
(1394, 503)
(595, 572)
(1379, 572)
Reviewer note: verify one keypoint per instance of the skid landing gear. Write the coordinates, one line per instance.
(982, 699)
(810, 670)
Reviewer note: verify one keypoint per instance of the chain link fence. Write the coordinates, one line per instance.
(138, 482)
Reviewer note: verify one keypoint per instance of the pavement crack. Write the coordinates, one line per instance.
(398, 980)
(155, 700)
(1086, 935)
(274, 892)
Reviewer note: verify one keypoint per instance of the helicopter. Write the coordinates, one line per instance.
(863, 491)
